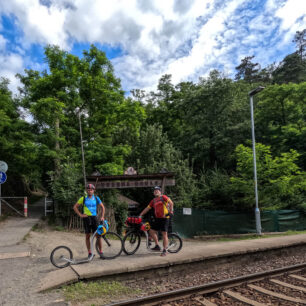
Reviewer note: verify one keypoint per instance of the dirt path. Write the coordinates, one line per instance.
(20, 277)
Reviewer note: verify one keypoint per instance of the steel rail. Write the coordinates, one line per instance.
(206, 288)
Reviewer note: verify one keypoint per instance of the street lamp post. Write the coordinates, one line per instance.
(252, 93)
(82, 149)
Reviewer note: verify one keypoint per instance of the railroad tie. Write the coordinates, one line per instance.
(276, 281)
(241, 298)
(205, 302)
(299, 277)
(278, 295)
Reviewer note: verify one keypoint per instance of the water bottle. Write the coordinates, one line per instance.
(100, 229)
(106, 226)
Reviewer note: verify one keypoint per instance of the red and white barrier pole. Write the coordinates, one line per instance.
(25, 209)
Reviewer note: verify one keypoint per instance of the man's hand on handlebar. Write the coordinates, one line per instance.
(83, 216)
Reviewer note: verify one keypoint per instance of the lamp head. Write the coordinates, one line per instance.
(256, 90)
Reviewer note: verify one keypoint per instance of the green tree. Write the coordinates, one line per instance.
(215, 190)
(153, 152)
(291, 69)
(50, 99)
(247, 70)
(166, 107)
(280, 119)
(216, 119)
(17, 146)
(66, 188)
(89, 86)
(281, 183)
(300, 40)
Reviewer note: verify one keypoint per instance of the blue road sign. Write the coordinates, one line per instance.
(2, 177)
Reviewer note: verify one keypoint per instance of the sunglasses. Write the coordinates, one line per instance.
(90, 189)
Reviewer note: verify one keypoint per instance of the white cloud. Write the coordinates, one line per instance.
(290, 12)
(293, 17)
(2, 43)
(9, 66)
(205, 50)
(39, 23)
(186, 38)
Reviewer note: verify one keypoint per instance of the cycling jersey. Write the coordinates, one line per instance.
(161, 206)
(90, 205)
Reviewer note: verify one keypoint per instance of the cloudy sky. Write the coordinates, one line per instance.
(145, 39)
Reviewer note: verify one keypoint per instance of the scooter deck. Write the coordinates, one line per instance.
(81, 261)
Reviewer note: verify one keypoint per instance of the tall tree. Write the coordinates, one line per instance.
(152, 152)
(17, 146)
(291, 69)
(247, 70)
(74, 85)
(300, 40)
(280, 119)
(216, 117)
(281, 183)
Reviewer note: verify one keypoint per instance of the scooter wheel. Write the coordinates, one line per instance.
(61, 256)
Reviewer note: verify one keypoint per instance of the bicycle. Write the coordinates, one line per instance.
(132, 239)
(62, 255)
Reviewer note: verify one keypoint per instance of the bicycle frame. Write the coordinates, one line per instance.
(146, 233)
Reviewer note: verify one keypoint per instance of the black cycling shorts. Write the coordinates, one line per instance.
(90, 224)
(160, 224)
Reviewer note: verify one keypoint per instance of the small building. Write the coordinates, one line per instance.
(132, 205)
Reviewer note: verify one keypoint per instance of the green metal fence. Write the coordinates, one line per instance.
(207, 222)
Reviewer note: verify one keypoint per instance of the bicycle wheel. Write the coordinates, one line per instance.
(175, 243)
(60, 255)
(111, 245)
(131, 242)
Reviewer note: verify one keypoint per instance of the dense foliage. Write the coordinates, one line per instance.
(201, 131)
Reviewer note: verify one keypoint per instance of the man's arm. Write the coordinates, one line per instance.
(169, 201)
(76, 209)
(145, 211)
(103, 211)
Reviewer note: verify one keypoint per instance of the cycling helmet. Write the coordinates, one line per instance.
(90, 186)
(103, 228)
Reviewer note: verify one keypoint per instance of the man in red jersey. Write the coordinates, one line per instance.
(163, 209)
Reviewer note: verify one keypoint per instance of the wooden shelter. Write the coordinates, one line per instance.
(162, 179)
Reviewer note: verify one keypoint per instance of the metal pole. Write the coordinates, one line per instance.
(83, 159)
(0, 199)
(257, 211)
(25, 206)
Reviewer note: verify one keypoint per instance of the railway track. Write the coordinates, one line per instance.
(283, 286)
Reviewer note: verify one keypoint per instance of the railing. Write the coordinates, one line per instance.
(25, 205)
(49, 209)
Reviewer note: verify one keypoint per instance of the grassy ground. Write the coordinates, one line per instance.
(2, 218)
(96, 293)
(255, 236)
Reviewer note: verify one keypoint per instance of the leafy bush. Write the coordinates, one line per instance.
(281, 183)
(65, 188)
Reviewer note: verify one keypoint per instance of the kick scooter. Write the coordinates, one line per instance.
(62, 256)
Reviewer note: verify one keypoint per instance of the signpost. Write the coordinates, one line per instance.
(3, 166)
(187, 211)
(3, 177)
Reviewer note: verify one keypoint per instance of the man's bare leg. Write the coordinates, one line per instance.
(154, 236)
(99, 242)
(165, 240)
(87, 240)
